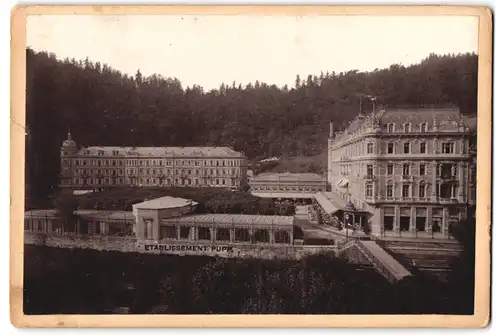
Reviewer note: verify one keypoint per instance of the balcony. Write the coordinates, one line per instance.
(448, 200)
(404, 199)
(407, 178)
(369, 177)
(447, 177)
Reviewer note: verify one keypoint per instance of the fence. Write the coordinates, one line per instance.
(431, 234)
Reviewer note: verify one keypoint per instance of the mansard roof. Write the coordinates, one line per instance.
(445, 119)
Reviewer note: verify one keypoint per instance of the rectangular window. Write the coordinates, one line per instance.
(369, 170)
(448, 148)
(204, 233)
(406, 169)
(406, 191)
(369, 148)
(423, 148)
(422, 169)
(389, 190)
(406, 148)
(404, 223)
(390, 148)
(369, 190)
(169, 231)
(388, 223)
(407, 128)
(390, 169)
(185, 231)
(241, 235)
(222, 234)
(423, 127)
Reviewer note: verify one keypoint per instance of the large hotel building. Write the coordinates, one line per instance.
(411, 170)
(105, 167)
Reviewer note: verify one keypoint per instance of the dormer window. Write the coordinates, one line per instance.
(423, 127)
(390, 128)
(407, 127)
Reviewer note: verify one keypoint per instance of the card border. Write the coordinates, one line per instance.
(481, 316)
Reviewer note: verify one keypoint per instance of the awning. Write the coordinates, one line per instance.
(325, 203)
(344, 183)
(332, 203)
(80, 192)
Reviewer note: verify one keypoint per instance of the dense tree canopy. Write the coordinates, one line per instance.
(105, 107)
(210, 200)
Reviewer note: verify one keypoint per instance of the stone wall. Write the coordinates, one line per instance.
(130, 244)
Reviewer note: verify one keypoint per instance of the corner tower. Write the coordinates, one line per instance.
(68, 153)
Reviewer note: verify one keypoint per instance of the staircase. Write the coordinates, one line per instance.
(384, 263)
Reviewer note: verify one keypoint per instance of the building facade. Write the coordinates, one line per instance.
(287, 185)
(411, 169)
(105, 167)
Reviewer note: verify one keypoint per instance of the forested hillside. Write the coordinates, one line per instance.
(105, 107)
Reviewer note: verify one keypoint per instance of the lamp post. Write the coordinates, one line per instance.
(346, 222)
(348, 216)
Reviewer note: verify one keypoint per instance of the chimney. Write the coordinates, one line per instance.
(331, 129)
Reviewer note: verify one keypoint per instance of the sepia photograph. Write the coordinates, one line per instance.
(246, 162)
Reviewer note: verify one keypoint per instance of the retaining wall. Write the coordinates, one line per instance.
(130, 244)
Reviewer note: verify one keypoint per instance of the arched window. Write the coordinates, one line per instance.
(422, 189)
(407, 127)
(390, 127)
(423, 127)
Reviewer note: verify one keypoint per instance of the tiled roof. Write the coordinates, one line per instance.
(164, 202)
(288, 177)
(163, 151)
(241, 219)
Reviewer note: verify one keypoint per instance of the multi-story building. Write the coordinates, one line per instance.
(104, 167)
(294, 186)
(410, 169)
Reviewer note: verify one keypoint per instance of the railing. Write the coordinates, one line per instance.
(448, 200)
(447, 176)
(346, 244)
(377, 264)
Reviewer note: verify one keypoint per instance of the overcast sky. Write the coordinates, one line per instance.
(209, 50)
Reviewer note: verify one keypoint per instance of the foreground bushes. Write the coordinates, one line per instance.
(81, 281)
